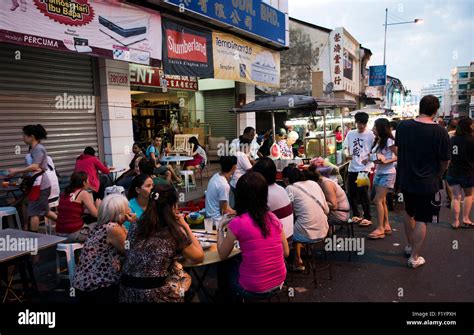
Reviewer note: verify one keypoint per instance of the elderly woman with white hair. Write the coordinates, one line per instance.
(98, 274)
(286, 146)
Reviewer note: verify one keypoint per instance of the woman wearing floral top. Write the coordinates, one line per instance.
(98, 273)
(286, 146)
(151, 272)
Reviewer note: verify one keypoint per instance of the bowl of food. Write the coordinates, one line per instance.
(195, 218)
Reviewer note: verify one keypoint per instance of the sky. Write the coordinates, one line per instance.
(417, 54)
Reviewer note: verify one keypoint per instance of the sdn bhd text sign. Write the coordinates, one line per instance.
(251, 16)
(377, 75)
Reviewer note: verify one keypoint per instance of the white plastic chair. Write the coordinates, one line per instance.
(48, 224)
(10, 213)
(69, 249)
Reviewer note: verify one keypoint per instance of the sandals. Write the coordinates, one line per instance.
(365, 223)
(455, 227)
(467, 225)
(356, 219)
(388, 231)
(378, 236)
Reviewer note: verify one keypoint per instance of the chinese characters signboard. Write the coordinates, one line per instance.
(99, 28)
(153, 76)
(186, 51)
(337, 58)
(239, 60)
(377, 75)
(252, 16)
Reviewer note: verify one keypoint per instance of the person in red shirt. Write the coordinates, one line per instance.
(90, 164)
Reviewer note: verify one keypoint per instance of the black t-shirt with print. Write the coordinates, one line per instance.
(421, 149)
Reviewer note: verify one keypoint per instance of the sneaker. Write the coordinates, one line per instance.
(408, 250)
(414, 264)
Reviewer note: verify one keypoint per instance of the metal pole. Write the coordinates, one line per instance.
(273, 127)
(385, 38)
(384, 52)
(324, 133)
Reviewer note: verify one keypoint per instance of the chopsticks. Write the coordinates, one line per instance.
(203, 233)
(209, 241)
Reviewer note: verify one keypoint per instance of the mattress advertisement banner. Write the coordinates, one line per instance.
(239, 60)
(104, 28)
(187, 52)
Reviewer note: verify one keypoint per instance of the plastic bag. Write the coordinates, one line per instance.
(362, 179)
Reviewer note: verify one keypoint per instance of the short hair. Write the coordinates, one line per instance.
(293, 174)
(452, 124)
(111, 208)
(362, 117)
(37, 131)
(227, 162)
(146, 166)
(464, 127)
(267, 168)
(293, 135)
(429, 105)
(312, 173)
(248, 130)
(89, 151)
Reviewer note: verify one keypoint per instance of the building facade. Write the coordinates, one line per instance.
(98, 80)
(441, 90)
(462, 82)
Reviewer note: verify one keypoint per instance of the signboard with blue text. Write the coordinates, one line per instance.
(251, 16)
(377, 75)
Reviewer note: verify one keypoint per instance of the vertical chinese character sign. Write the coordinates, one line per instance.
(336, 38)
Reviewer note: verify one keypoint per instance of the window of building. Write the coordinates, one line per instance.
(472, 74)
(462, 97)
(463, 74)
(463, 86)
(348, 65)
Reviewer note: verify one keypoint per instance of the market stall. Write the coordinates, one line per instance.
(312, 118)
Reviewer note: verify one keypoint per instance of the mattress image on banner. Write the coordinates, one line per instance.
(186, 51)
(239, 60)
(103, 28)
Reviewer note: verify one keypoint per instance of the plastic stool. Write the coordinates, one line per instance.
(69, 249)
(9, 213)
(186, 174)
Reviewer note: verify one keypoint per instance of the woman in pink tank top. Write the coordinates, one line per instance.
(261, 238)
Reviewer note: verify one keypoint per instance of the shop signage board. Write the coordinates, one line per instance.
(239, 60)
(252, 16)
(141, 75)
(109, 29)
(377, 75)
(336, 38)
(187, 51)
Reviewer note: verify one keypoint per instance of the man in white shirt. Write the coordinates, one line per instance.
(218, 189)
(244, 163)
(247, 137)
(359, 142)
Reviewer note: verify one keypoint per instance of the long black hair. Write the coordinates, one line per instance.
(383, 133)
(251, 198)
(194, 141)
(76, 181)
(464, 127)
(137, 182)
(159, 214)
(37, 131)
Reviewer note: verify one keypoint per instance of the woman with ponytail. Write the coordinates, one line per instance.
(39, 193)
(150, 272)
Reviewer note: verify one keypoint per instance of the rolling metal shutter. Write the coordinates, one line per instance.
(28, 91)
(217, 105)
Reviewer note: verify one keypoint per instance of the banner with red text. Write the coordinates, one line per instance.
(104, 28)
(186, 51)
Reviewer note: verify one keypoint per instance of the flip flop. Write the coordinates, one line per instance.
(365, 223)
(356, 219)
(388, 232)
(455, 227)
(375, 237)
(467, 225)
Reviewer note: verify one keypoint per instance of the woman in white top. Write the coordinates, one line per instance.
(199, 157)
(278, 201)
(383, 155)
(244, 163)
(309, 208)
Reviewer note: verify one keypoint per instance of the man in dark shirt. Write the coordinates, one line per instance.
(423, 155)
